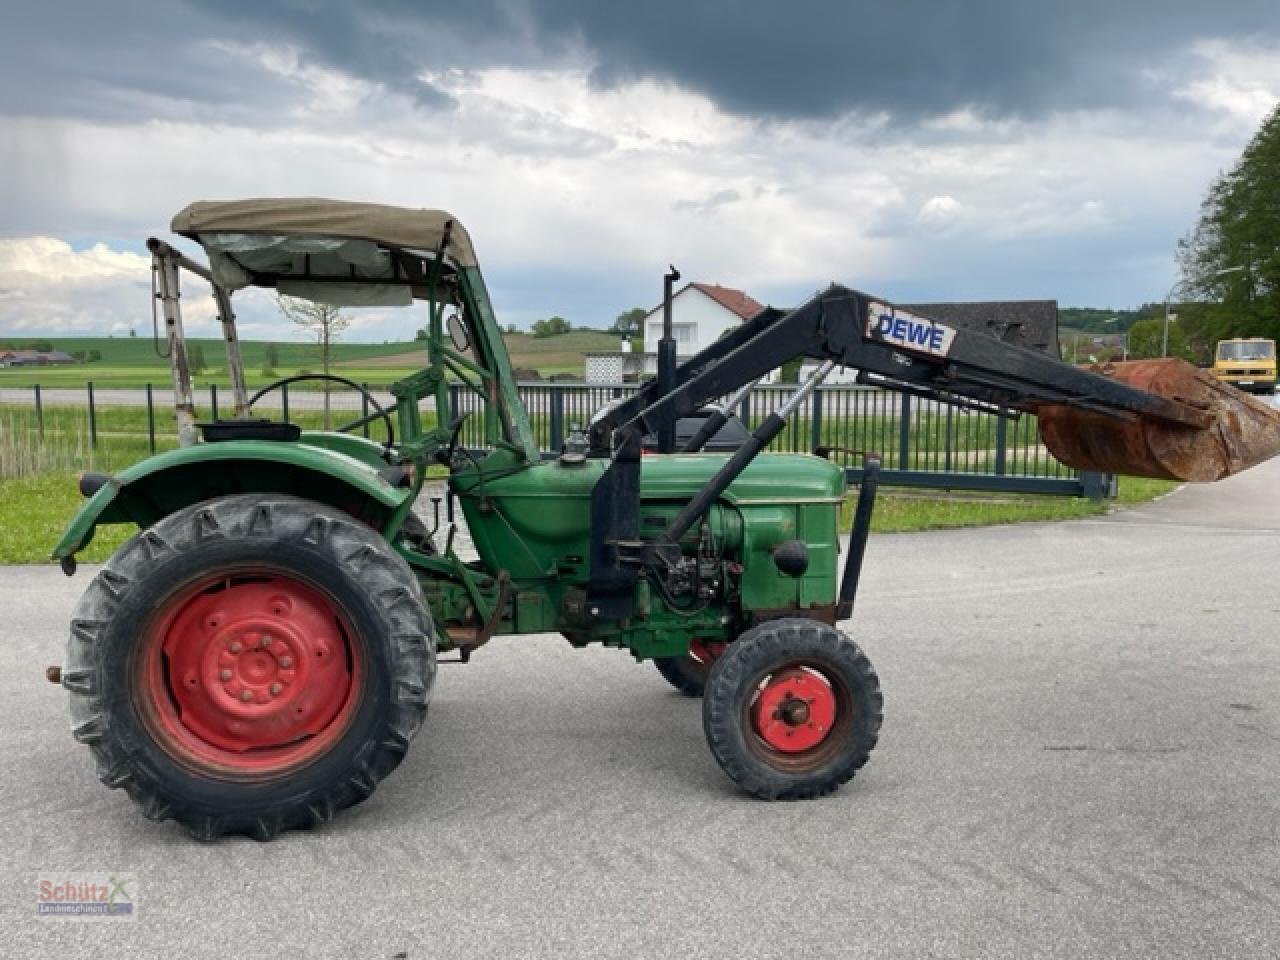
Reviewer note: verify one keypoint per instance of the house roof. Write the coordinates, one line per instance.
(736, 301)
(1026, 323)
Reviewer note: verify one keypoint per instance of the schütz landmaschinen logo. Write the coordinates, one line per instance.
(87, 897)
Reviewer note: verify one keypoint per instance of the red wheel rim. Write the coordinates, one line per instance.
(794, 711)
(248, 676)
(706, 652)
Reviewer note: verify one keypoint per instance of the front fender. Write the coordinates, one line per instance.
(160, 485)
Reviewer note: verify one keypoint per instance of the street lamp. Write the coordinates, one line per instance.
(1164, 347)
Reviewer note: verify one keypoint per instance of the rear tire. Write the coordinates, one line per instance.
(688, 674)
(792, 709)
(250, 664)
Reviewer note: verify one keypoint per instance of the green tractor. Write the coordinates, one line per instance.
(262, 652)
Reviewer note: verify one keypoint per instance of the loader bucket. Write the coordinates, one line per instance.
(1241, 431)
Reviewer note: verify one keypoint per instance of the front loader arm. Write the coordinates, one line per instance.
(1158, 418)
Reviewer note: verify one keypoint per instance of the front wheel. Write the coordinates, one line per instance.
(792, 709)
(250, 664)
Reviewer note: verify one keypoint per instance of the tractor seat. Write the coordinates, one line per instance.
(221, 430)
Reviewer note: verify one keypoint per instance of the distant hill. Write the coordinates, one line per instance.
(547, 355)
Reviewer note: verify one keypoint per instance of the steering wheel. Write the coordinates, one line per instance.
(379, 410)
(455, 432)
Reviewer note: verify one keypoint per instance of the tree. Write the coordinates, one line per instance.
(195, 358)
(323, 321)
(550, 327)
(1230, 261)
(421, 334)
(789, 372)
(270, 360)
(629, 321)
(1146, 338)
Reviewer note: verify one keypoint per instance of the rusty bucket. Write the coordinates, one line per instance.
(1239, 431)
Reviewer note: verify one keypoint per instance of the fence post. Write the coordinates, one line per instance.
(946, 449)
(151, 421)
(817, 420)
(213, 402)
(557, 419)
(1095, 485)
(744, 409)
(364, 408)
(284, 401)
(1002, 437)
(904, 433)
(39, 417)
(93, 419)
(452, 412)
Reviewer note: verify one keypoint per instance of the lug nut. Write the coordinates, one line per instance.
(286, 662)
(275, 689)
(224, 674)
(246, 696)
(266, 641)
(235, 646)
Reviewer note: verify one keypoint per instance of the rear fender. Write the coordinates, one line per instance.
(160, 485)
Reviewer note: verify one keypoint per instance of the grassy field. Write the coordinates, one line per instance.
(547, 355)
(132, 361)
(910, 512)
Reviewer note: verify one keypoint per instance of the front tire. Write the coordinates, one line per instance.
(792, 709)
(250, 664)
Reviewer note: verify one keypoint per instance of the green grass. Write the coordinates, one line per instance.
(140, 351)
(135, 377)
(35, 512)
(909, 512)
(132, 361)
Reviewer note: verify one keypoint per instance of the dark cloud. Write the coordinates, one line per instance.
(127, 60)
(909, 58)
(807, 58)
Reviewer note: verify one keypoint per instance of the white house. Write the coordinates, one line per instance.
(700, 315)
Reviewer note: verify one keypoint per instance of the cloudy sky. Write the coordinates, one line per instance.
(949, 150)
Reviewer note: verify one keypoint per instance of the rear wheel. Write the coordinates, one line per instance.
(250, 664)
(792, 709)
(688, 674)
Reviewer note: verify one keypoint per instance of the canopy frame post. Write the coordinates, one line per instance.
(235, 363)
(165, 266)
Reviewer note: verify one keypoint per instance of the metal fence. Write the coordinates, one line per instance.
(922, 443)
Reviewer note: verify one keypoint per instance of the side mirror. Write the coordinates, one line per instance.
(458, 332)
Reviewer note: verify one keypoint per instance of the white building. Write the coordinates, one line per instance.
(700, 314)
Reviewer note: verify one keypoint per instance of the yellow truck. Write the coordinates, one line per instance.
(1249, 363)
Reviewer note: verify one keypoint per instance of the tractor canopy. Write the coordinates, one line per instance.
(333, 251)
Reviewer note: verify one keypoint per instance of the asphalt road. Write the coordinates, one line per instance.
(1080, 758)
